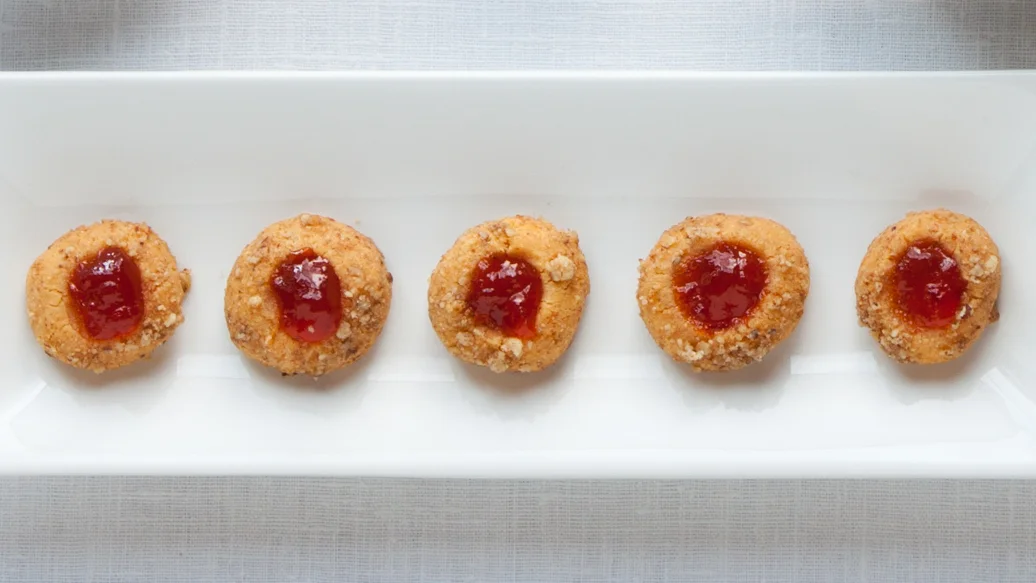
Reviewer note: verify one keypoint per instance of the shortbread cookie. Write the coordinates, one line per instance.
(720, 291)
(928, 285)
(105, 295)
(509, 294)
(308, 296)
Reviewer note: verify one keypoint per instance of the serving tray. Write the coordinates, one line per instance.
(414, 159)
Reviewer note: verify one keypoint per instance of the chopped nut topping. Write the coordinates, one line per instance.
(512, 345)
(498, 364)
(363, 303)
(343, 331)
(691, 355)
(561, 268)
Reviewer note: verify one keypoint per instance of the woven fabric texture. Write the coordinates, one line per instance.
(66, 530)
(306, 529)
(517, 34)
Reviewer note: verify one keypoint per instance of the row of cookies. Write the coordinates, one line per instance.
(310, 295)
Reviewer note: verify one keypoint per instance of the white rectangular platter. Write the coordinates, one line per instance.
(414, 159)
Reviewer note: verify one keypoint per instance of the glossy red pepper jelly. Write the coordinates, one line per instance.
(310, 296)
(106, 294)
(929, 287)
(505, 293)
(720, 286)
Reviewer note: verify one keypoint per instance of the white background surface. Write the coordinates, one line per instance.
(299, 529)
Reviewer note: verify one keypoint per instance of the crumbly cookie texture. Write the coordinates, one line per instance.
(978, 259)
(253, 311)
(774, 318)
(566, 284)
(49, 305)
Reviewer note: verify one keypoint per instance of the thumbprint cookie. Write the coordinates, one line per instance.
(509, 294)
(308, 296)
(927, 286)
(720, 291)
(105, 295)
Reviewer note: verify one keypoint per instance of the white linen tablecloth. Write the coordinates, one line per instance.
(307, 529)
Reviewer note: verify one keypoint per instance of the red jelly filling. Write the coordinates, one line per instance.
(106, 294)
(929, 286)
(310, 296)
(720, 286)
(505, 292)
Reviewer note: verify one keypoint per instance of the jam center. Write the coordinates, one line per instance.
(310, 296)
(929, 286)
(505, 293)
(106, 294)
(718, 287)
